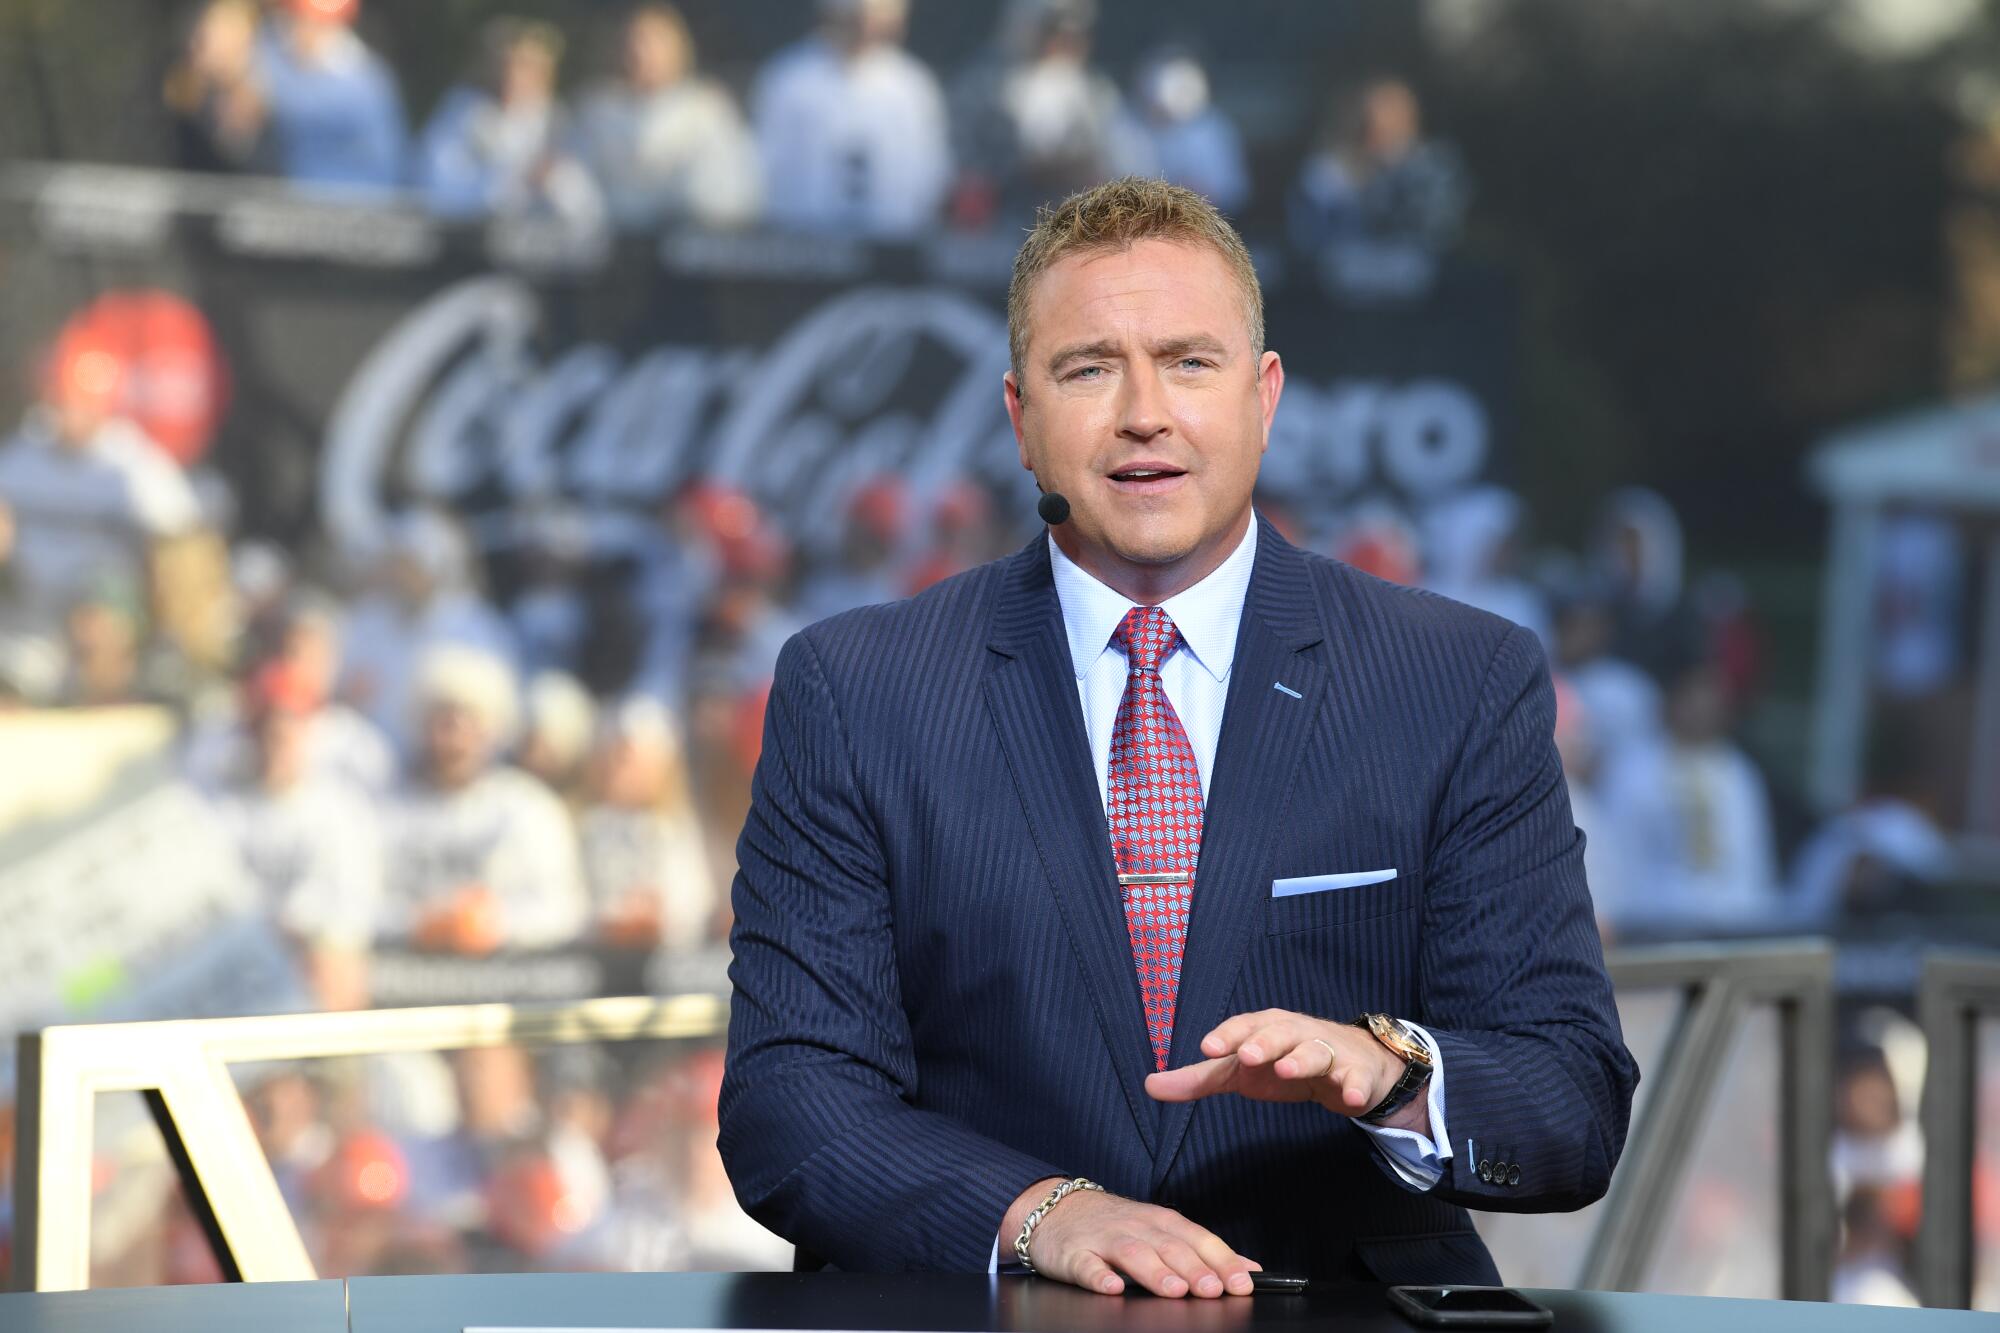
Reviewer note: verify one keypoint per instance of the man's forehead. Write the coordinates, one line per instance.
(1198, 279)
(1152, 253)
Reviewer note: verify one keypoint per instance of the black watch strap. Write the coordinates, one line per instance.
(1415, 1076)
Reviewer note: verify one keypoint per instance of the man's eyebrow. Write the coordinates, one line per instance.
(1188, 344)
(1103, 347)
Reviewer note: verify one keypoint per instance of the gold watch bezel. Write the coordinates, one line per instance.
(1399, 1039)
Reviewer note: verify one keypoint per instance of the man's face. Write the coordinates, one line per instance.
(528, 75)
(655, 55)
(455, 745)
(1141, 401)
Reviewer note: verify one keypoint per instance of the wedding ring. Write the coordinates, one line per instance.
(1332, 1058)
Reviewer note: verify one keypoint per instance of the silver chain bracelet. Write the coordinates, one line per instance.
(1034, 1219)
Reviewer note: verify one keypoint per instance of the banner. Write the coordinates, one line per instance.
(378, 360)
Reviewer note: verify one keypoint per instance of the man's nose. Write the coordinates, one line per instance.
(1142, 408)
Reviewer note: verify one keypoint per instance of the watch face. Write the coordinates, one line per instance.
(1398, 1038)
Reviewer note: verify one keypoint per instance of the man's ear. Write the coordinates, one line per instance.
(1270, 387)
(1017, 402)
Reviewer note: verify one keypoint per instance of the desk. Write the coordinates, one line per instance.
(276, 1307)
(938, 1303)
(957, 1303)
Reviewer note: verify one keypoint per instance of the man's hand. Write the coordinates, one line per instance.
(1099, 1241)
(1279, 1056)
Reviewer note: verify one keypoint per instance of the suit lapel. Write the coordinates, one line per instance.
(1031, 692)
(1264, 732)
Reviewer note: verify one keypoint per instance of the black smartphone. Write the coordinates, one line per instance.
(1469, 1307)
(1277, 1282)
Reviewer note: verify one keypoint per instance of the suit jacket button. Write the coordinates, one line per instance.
(1486, 1169)
(1514, 1174)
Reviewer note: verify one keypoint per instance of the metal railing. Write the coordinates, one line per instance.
(1958, 991)
(1721, 984)
(182, 1068)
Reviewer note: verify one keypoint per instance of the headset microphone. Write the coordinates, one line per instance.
(1053, 508)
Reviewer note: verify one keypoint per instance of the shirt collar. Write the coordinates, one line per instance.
(1207, 615)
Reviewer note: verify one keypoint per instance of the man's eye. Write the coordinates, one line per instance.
(1192, 363)
(1086, 372)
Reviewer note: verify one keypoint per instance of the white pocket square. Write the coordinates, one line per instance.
(1286, 888)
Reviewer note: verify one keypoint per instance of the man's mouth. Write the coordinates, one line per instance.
(1147, 474)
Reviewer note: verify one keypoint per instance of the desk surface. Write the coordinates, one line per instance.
(947, 1303)
(954, 1303)
(293, 1307)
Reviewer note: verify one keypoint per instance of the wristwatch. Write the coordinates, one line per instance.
(1409, 1048)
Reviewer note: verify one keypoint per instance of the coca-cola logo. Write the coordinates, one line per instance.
(461, 405)
(457, 406)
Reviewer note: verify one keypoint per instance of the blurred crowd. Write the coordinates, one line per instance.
(845, 130)
(1654, 673)
(451, 748)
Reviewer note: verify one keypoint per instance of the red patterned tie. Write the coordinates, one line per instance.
(1154, 811)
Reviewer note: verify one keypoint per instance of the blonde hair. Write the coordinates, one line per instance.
(1115, 216)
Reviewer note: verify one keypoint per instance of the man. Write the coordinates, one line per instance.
(481, 855)
(667, 144)
(92, 497)
(336, 115)
(1327, 796)
(496, 143)
(852, 127)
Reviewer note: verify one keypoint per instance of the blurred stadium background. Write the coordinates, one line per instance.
(425, 421)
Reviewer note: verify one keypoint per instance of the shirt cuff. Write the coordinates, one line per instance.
(1407, 1157)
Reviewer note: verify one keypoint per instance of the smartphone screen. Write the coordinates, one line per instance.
(1470, 1300)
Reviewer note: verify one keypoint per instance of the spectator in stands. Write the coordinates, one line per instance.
(1877, 1165)
(643, 851)
(665, 144)
(864, 572)
(1694, 820)
(852, 127)
(91, 496)
(336, 116)
(680, 567)
(1637, 548)
(339, 744)
(498, 145)
(481, 856)
(104, 650)
(1868, 857)
(424, 596)
(1374, 177)
(556, 733)
(963, 534)
(219, 112)
(1191, 142)
(1622, 702)
(1036, 121)
(30, 664)
(1472, 550)
(308, 840)
(550, 613)
(1603, 856)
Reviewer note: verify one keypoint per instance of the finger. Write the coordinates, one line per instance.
(1229, 1034)
(1140, 1261)
(1093, 1274)
(1231, 1267)
(1192, 1082)
(1311, 1058)
(1269, 1042)
(1352, 1080)
(1184, 1259)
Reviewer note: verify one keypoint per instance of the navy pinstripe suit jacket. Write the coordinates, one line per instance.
(935, 1003)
